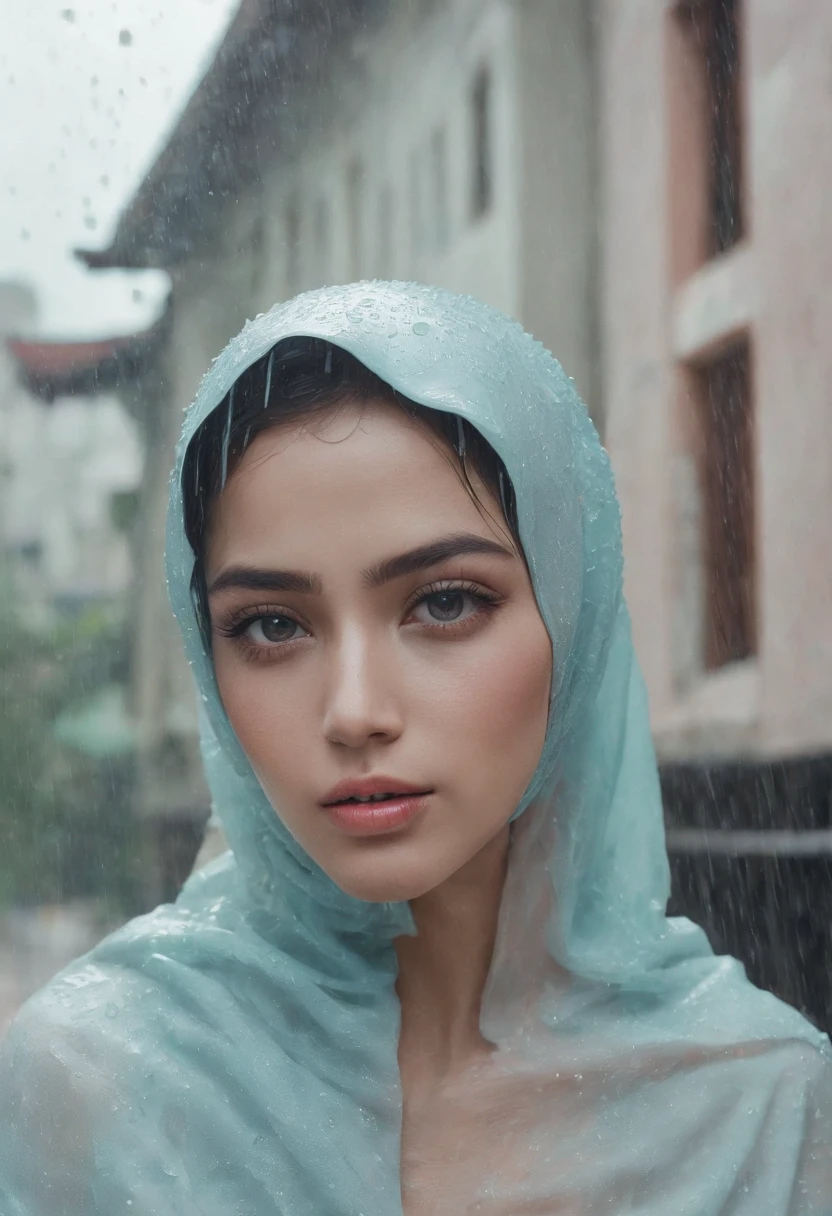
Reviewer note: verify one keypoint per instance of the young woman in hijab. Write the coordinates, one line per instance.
(434, 972)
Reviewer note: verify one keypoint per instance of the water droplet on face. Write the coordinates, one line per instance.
(420, 328)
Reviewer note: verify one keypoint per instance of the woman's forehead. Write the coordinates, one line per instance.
(367, 478)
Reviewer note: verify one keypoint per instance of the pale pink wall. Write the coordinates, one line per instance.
(660, 311)
(790, 162)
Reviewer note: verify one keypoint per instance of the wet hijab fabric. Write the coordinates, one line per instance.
(235, 1052)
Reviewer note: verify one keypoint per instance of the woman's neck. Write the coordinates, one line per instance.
(443, 970)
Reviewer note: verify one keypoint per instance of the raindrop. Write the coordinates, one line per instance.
(68, 14)
(421, 327)
(125, 38)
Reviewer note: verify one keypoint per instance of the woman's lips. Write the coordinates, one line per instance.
(375, 818)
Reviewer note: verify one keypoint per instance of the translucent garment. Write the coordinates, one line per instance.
(236, 1052)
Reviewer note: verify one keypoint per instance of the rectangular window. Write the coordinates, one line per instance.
(723, 59)
(724, 392)
(355, 218)
(482, 185)
(706, 75)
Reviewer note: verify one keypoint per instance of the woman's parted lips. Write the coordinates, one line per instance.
(366, 787)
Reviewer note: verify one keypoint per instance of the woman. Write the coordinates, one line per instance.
(434, 973)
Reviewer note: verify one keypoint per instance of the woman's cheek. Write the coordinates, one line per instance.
(257, 705)
(513, 685)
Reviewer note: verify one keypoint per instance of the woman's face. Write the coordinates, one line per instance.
(371, 627)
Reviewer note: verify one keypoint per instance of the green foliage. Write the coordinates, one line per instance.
(66, 829)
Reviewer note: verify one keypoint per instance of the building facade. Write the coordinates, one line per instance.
(717, 164)
(718, 262)
(62, 468)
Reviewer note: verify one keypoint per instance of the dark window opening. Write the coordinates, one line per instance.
(711, 32)
(723, 60)
(724, 389)
(482, 186)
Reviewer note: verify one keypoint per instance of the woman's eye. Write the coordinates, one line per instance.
(446, 607)
(269, 629)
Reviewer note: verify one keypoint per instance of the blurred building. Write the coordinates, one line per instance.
(643, 185)
(64, 469)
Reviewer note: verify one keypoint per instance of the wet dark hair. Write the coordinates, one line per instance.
(301, 378)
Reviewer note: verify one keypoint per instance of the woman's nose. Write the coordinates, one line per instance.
(361, 700)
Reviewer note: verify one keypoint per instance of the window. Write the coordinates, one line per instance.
(355, 218)
(439, 190)
(482, 151)
(705, 80)
(722, 388)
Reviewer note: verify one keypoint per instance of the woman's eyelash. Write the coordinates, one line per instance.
(236, 625)
(473, 589)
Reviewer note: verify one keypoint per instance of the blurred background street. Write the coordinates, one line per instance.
(644, 184)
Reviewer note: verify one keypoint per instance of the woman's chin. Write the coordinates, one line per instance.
(379, 883)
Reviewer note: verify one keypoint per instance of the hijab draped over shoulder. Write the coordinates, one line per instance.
(236, 1051)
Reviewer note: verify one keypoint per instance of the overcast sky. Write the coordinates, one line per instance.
(89, 92)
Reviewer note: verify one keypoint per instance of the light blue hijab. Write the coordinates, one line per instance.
(236, 1052)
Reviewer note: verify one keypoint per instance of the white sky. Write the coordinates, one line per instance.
(89, 91)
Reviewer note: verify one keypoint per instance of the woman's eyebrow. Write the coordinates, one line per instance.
(249, 578)
(457, 545)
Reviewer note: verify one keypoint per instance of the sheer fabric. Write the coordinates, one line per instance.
(236, 1052)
